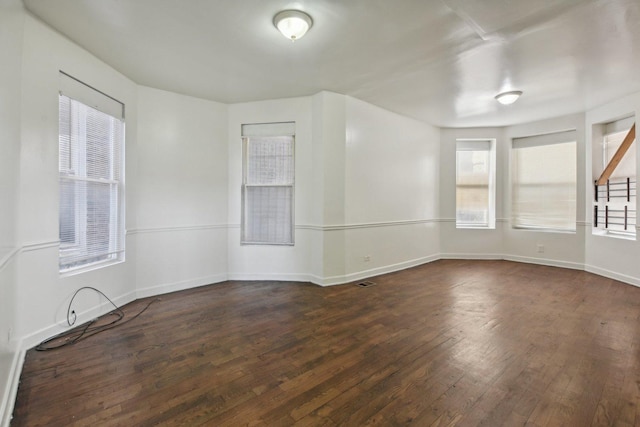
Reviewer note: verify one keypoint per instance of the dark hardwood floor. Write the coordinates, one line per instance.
(447, 343)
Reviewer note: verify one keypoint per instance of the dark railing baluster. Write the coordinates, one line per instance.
(628, 189)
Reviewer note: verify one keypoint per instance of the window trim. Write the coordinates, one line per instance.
(265, 130)
(467, 144)
(116, 241)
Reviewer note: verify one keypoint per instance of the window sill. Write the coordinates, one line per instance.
(544, 230)
(90, 267)
(620, 236)
(475, 227)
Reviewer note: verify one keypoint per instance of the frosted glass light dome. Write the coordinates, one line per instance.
(293, 24)
(507, 98)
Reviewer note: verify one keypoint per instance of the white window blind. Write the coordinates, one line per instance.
(268, 184)
(475, 176)
(543, 173)
(91, 145)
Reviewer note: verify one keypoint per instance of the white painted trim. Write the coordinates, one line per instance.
(178, 228)
(472, 256)
(4, 261)
(359, 275)
(634, 281)
(11, 388)
(29, 247)
(37, 246)
(335, 280)
(501, 220)
(309, 227)
(355, 226)
(545, 261)
(517, 258)
(166, 288)
(288, 277)
(377, 224)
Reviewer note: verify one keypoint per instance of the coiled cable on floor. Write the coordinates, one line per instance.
(88, 329)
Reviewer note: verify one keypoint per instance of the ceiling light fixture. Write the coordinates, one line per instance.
(293, 24)
(506, 98)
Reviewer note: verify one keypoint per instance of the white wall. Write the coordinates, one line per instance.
(469, 243)
(329, 144)
(609, 256)
(11, 29)
(181, 185)
(42, 294)
(391, 191)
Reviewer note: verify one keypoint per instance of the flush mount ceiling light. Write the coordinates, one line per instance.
(293, 24)
(506, 98)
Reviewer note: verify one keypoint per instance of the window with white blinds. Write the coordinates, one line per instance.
(91, 164)
(268, 184)
(543, 182)
(475, 184)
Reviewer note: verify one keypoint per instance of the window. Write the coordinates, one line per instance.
(475, 184)
(543, 178)
(268, 184)
(615, 200)
(614, 134)
(90, 169)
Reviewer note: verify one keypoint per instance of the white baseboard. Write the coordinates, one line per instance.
(516, 258)
(471, 256)
(635, 281)
(166, 288)
(544, 261)
(364, 274)
(11, 389)
(288, 277)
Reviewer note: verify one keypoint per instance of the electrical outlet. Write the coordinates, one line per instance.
(540, 248)
(367, 258)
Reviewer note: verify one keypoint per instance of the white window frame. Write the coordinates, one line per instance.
(257, 133)
(77, 256)
(485, 145)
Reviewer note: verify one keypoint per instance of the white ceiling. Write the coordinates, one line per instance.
(440, 61)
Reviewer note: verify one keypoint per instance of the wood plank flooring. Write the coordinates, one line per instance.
(452, 342)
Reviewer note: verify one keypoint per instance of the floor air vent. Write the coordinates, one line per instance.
(366, 284)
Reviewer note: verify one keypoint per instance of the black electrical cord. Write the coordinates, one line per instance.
(86, 330)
